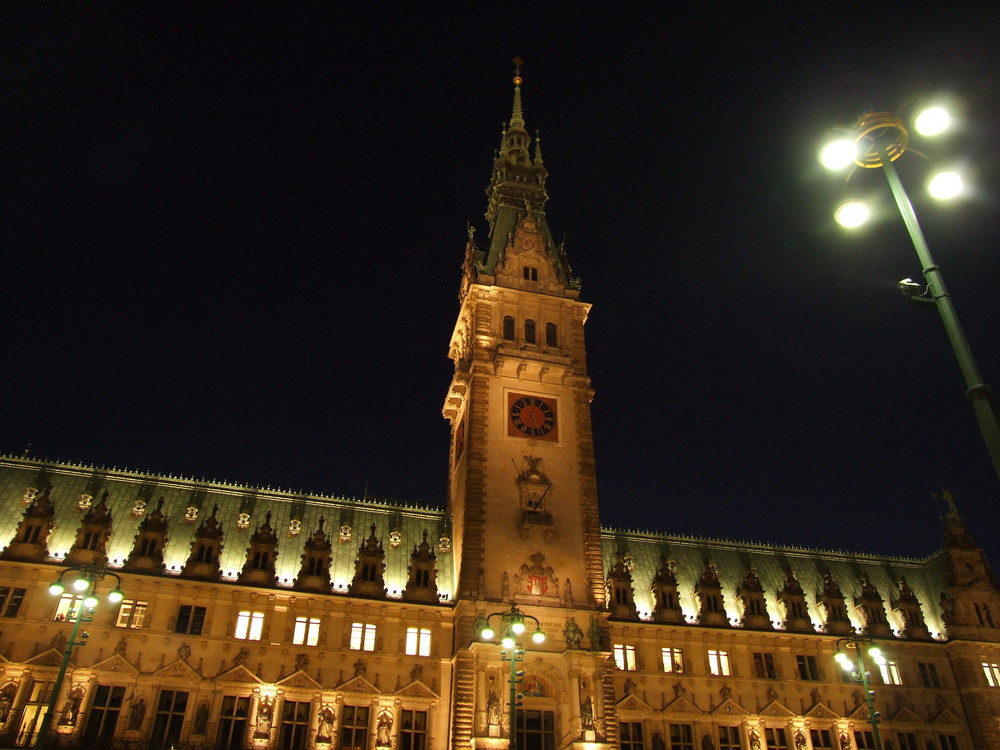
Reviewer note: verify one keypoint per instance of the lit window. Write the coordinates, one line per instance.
(10, 600)
(362, 637)
(306, 631)
(249, 626)
(67, 607)
(718, 663)
(673, 660)
(808, 668)
(890, 673)
(418, 642)
(625, 657)
(992, 671)
(131, 614)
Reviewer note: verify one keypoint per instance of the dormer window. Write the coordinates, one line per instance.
(530, 273)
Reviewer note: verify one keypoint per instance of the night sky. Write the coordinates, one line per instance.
(232, 239)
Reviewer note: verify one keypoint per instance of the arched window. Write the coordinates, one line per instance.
(551, 335)
(508, 328)
(529, 332)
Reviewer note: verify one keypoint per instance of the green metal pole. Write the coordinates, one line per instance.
(43, 729)
(869, 697)
(512, 653)
(977, 391)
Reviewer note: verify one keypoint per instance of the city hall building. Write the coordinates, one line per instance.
(261, 619)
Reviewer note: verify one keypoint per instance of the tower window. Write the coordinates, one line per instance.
(551, 335)
(508, 328)
(530, 273)
(529, 332)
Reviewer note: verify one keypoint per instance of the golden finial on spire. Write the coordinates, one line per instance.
(518, 63)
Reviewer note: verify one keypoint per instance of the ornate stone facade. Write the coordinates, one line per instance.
(261, 619)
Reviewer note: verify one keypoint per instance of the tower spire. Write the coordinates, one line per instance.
(517, 115)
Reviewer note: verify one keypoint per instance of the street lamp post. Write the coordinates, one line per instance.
(860, 674)
(513, 624)
(877, 140)
(85, 583)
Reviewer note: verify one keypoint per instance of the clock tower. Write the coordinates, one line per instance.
(522, 484)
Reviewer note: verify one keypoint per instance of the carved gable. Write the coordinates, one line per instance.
(822, 711)
(632, 703)
(359, 685)
(906, 716)
(48, 658)
(776, 709)
(681, 705)
(416, 689)
(300, 679)
(178, 668)
(239, 675)
(729, 707)
(116, 663)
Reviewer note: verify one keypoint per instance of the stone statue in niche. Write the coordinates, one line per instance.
(183, 652)
(201, 719)
(136, 714)
(6, 701)
(596, 633)
(493, 710)
(572, 633)
(587, 713)
(71, 710)
(324, 728)
(265, 714)
(383, 730)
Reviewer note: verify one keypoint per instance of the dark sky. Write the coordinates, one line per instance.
(232, 240)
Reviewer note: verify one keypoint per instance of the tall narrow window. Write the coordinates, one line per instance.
(864, 740)
(808, 667)
(992, 672)
(412, 730)
(625, 657)
(232, 722)
(10, 600)
(681, 737)
(777, 738)
(294, 725)
(249, 625)
(630, 734)
(729, 738)
(928, 674)
(418, 642)
(948, 741)
(673, 660)
(822, 739)
(67, 607)
(508, 328)
(362, 636)
(169, 719)
(354, 728)
(31, 715)
(529, 332)
(551, 335)
(306, 631)
(131, 614)
(190, 619)
(763, 666)
(536, 730)
(907, 741)
(103, 716)
(890, 673)
(718, 663)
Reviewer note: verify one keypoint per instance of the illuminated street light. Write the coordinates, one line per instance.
(878, 139)
(85, 580)
(513, 622)
(860, 674)
(852, 214)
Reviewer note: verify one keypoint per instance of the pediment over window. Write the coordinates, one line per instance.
(300, 679)
(947, 716)
(416, 689)
(729, 707)
(116, 663)
(632, 703)
(822, 711)
(777, 709)
(48, 658)
(682, 706)
(239, 675)
(359, 685)
(907, 716)
(178, 668)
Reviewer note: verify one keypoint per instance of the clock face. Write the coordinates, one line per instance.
(532, 416)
